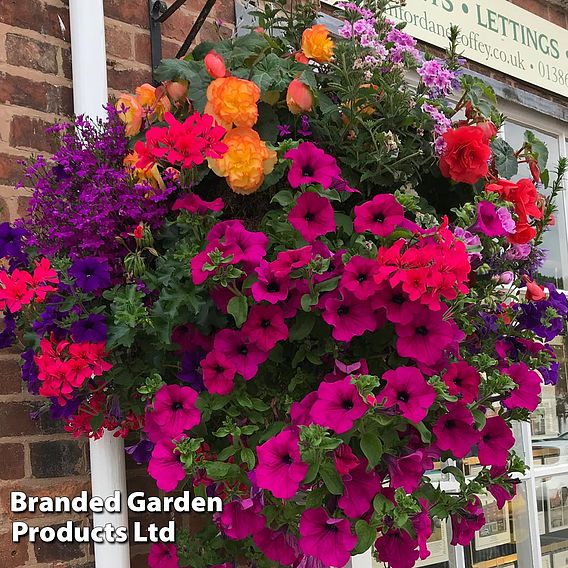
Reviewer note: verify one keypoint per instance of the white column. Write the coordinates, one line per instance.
(88, 54)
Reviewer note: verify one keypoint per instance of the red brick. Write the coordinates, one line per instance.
(12, 465)
(31, 133)
(558, 16)
(66, 67)
(37, 16)
(4, 210)
(10, 376)
(23, 203)
(10, 170)
(57, 551)
(178, 25)
(39, 95)
(16, 420)
(12, 554)
(61, 458)
(124, 79)
(130, 12)
(118, 41)
(533, 6)
(142, 49)
(24, 51)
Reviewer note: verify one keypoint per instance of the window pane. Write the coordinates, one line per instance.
(552, 499)
(549, 423)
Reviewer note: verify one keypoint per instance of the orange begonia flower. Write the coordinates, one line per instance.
(246, 161)
(317, 44)
(299, 97)
(130, 112)
(153, 100)
(233, 101)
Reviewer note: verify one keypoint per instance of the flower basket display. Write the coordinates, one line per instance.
(290, 275)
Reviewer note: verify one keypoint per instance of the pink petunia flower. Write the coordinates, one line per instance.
(244, 355)
(274, 545)
(338, 405)
(349, 316)
(241, 518)
(466, 522)
(250, 246)
(359, 489)
(359, 277)
(463, 381)
(499, 492)
(293, 259)
(165, 466)
(194, 204)
(163, 555)
(175, 410)
(407, 389)
(301, 412)
(397, 549)
(398, 307)
(492, 222)
(425, 338)
(310, 165)
(496, 441)
(312, 216)
(407, 471)
(270, 287)
(380, 216)
(455, 431)
(345, 460)
(280, 468)
(265, 326)
(527, 393)
(326, 538)
(218, 373)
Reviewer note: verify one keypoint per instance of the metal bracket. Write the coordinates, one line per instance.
(159, 12)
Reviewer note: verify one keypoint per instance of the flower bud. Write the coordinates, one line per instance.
(488, 128)
(176, 89)
(215, 65)
(299, 97)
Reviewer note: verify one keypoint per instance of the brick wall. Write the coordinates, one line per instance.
(36, 456)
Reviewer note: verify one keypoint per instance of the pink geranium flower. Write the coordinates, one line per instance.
(194, 204)
(326, 538)
(218, 373)
(463, 381)
(397, 549)
(466, 522)
(310, 165)
(496, 441)
(265, 326)
(527, 393)
(349, 316)
(359, 277)
(175, 410)
(244, 355)
(455, 431)
(338, 405)
(270, 287)
(359, 489)
(425, 337)
(275, 546)
(165, 466)
(241, 518)
(312, 216)
(380, 216)
(407, 389)
(163, 555)
(280, 468)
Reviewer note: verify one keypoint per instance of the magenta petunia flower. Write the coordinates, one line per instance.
(265, 326)
(163, 555)
(422, 525)
(175, 410)
(312, 216)
(338, 405)
(301, 412)
(407, 389)
(466, 522)
(293, 259)
(496, 441)
(359, 277)
(194, 204)
(527, 393)
(280, 468)
(311, 164)
(345, 460)
(349, 316)
(425, 337)
(274, 545)
(455, 431)
(241, 518)
(397, 549)
(407, 471)
(380, 216)
(218, 373)
(251, 244)
(398, 307)
(499, 492)
(463, 381)
(326, 538)
(243, 353)
(359, 489)
(165, 466)
(490, 221)
(270, 287)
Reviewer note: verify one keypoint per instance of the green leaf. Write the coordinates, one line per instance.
(97, 421)
(366, 536)
(425, 434)
(226, 453)
(456, 472)
(308, 77)
(538, 149)
(271, 73)
(238, 308)
(372, 447)
(267, 125)
(284, 198)
(505, 159)
(327, 285)
(302, 327)
(248, 457)
(331, 479)
(327, 106)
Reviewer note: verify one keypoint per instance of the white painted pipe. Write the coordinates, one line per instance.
(90, 94)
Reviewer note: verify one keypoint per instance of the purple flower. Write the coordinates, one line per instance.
(91, 274)
(284, 130)
(492, 222)
(11, 242)
(304, 128)
(30, 371)
(93, 329)
(7, 336)
(57, 412)
(190, 372)
(141, 452)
